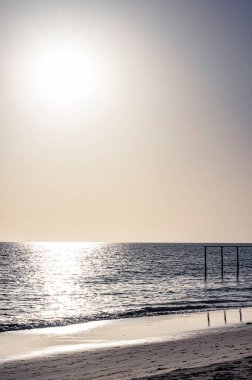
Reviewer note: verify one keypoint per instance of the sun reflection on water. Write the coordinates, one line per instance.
(59, 275)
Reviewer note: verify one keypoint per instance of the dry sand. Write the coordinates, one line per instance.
(237, 370)
(223, 353)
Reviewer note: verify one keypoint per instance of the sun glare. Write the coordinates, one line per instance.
(65, 76)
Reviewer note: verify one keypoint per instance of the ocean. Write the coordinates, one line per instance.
(57, 284)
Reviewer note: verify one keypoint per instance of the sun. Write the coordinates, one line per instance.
(68, 76)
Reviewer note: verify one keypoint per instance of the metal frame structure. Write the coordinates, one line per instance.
(222, 257)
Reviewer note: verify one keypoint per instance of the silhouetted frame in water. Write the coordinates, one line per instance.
(237, 262)
(222, 257)
(222, 263)
(205, 262)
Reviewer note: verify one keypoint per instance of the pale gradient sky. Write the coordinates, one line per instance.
(160, 151)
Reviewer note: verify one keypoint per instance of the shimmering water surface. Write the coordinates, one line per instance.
(49, 284)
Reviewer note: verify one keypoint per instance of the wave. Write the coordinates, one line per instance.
(230, 288)
(145, 311)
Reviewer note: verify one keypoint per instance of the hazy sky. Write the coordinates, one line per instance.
(126, 120)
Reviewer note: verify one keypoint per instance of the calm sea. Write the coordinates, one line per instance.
(44, 284)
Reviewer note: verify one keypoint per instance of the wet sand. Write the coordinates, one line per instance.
(206, 353)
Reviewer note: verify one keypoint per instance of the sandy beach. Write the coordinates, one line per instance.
(204, 353)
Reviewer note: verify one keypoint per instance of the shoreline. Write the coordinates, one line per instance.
(106, 334)
(204, 352)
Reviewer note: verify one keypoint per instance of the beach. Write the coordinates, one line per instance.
(218, 352)
(123, 311)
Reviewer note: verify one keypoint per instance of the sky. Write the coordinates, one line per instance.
(126, 120)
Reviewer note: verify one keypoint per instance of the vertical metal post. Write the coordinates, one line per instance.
(205, 262)
(222, 263)
(237, 262)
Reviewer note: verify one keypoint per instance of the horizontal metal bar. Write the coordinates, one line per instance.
(228, 246)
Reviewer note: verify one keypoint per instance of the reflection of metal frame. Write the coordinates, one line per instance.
(225, 317)
(222, 257)
(208, 319)
(240, 312)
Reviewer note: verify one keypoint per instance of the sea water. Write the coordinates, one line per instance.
(56, 284)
